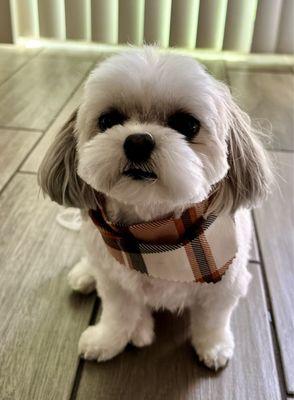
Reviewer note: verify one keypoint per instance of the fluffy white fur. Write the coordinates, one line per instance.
(148, 87)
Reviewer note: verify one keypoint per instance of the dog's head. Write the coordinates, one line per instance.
(156, 128)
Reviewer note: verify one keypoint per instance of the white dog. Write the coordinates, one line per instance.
(156, 134)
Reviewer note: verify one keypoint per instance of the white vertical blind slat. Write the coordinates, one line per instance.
(104, 21)
(184, 20)
(266, 27)
(211, 26)
(6, 34)
(51, 19)
(25, 15)
(157, 22)
(131, 21)
(286, 33)
(239, 25)
(77, 19)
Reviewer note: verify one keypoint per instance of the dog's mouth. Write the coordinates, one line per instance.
(140, 174)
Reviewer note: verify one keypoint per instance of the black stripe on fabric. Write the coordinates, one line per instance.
(138, 262)
(186, 219)
(114, 244)
(207, 222)
(195, 230)
(98, 220)
(201, 259)
(159, 248)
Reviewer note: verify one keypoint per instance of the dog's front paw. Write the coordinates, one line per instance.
(101, 344)
(143, 335)
(216, 350)
(80, 279)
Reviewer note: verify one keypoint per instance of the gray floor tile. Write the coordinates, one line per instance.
(12, 58)
(33, 161)
(41, 320)
(35, 94)
(14, 147)
(169, 370)
(216, 68)
(275, 228)
(268, 98)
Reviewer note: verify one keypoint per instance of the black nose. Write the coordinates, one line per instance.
(138, 146)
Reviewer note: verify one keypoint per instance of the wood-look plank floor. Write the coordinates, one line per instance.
(14, 147)
(32, 96)
(275, 227)
(169, 368)
(33, 161)
(268, 98)
(41, 320)
(64, 53)
(262, 64)
(11, 59)
(216, 68)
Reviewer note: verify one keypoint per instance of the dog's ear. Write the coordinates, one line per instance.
(57, 174)
(250, 173)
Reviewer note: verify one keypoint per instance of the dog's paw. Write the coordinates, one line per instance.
(80, 278)
(144, 332)
(215, 351)
(98, 343)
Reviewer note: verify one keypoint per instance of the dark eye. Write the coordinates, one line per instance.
(109, 119)
(185, 124)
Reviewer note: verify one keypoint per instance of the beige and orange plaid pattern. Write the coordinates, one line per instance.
(186, 249)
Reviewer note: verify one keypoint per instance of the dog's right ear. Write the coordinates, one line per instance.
(57, 174)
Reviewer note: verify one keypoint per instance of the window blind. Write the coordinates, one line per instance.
(238, 25)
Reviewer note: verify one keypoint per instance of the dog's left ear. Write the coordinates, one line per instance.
(250, 174)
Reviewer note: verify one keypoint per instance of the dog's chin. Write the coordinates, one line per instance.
(147, 185)
(138, 187)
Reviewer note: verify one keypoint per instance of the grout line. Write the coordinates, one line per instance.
(17, 169)
(55, 117)
(253, 262)
(289, 151)
(227, 77)
(81, 363)
(274, 335)
(17, 128)
(262, 70)
(10, 179)
(26, 172)
(21, 66)
(6, 184)
(77, 379)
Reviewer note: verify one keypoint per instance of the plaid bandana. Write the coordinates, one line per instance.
(186, 249)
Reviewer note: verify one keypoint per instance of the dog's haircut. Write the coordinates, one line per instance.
(246, 183)
(225, 161)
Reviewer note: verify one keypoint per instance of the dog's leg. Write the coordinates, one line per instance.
(143, 334)
(121, 310)
(211, 334)
(81, 277)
